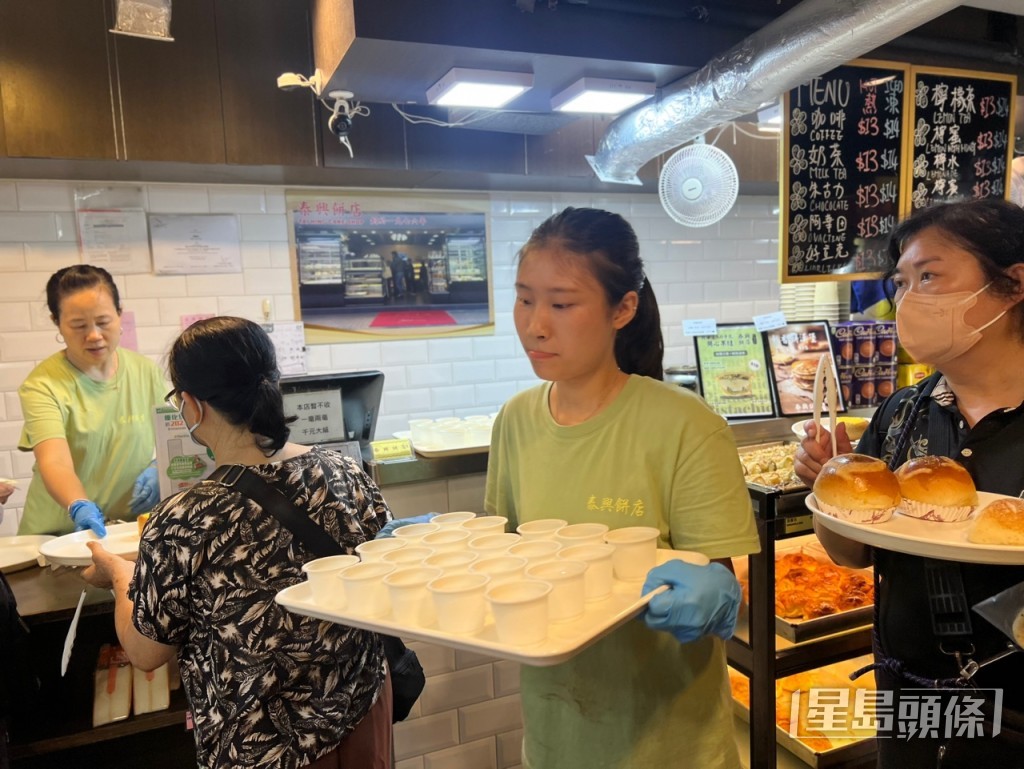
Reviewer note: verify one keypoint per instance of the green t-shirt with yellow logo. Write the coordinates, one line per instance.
(108, 427)
(657, 456)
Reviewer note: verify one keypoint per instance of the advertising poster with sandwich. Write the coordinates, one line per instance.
(794, 350)
(734, 372)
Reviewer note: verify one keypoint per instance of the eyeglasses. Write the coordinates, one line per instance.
(173, 399)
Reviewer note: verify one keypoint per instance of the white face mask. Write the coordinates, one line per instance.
(192, 429)
(932, 327)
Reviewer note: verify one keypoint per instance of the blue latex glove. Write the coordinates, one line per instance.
(87, 515)
(702, 600)
(388, 530)
(146, 491)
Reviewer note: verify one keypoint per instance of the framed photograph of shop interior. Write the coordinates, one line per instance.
(842, 182)
(370, 265)
(734, 372)
(794, 351)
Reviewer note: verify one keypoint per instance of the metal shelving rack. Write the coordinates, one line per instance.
(755, 650)
(758, 652)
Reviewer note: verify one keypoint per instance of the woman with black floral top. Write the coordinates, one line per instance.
(266, 688)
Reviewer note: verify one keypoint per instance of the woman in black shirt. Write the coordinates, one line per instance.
(958, 285)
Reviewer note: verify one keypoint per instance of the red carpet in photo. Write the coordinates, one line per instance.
(412, 318)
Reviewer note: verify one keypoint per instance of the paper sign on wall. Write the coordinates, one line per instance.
(195, 244)
(129, 335)
(319, 416)
(700, 327)
(290, 345)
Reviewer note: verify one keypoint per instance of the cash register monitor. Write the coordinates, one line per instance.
(337, 411)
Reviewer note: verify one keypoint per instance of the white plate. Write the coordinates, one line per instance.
(70, 550)
(21, 552)
(798, 427)
(565, 639)
(932, 539)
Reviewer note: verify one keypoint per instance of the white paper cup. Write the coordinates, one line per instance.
(459, 602)
(501, 569)
(598, 579)
(520, 610)
(567, 587)
(414, 532)
(449, 520)
(486, 524)
(581, 534)
(322, 575)
(636, 551)
(452, 563)
(493, 544)
(536, 550)
(450, 539)
(542, 528)
(411, 555)
(453, 436)
(478, 433)
(411, 604)
(423, 432)
(374, 549)
(365, 589)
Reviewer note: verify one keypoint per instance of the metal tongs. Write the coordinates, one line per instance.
(826, 390)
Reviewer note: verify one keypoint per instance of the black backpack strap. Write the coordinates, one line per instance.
(245, 482)
(407, 677)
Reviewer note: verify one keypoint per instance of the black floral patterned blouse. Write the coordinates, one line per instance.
(267, 688)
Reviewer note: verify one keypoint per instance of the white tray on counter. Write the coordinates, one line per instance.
(21, 552)
(441, 450)
(565, 639)
(931, 539)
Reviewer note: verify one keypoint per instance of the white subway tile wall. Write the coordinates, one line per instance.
(726, 271)
(468, 717)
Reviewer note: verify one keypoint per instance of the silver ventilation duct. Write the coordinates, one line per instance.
(807, 41)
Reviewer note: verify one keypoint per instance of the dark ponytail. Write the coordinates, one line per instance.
(613, 254)
(639, 346)
(230, 363)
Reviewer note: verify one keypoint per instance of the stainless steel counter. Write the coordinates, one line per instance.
(423, 468)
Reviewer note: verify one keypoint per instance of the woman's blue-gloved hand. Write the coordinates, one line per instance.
(146, 492)
(87, 515)
(388, 530)
(702, 600)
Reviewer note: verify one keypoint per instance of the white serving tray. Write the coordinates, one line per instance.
(21, 552)
(931, 539)
(440, 450)
(565, 639)
(71, 550)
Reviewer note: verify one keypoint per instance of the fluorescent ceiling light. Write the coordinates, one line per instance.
(601, 95)
(486, 89)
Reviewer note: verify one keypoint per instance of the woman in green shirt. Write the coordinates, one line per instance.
(88, 413)
(603, 439)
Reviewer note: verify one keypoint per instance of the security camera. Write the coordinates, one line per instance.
(340, 121)
(289, 81)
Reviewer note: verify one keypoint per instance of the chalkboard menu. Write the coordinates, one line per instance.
(842, 190)
(961, 137)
